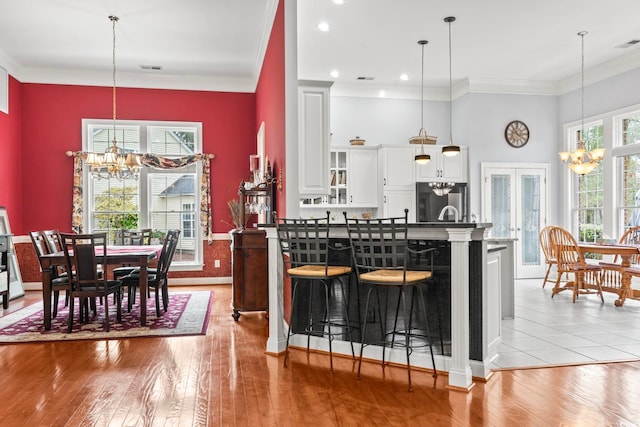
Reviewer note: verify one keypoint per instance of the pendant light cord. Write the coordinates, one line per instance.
(422, 91)
(450, 92)
(114, 19)
(582, 137)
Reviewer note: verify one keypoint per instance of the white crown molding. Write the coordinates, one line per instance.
(511, 87)
(146, 80)
(374, 91)
(270, 15)
(601, 72)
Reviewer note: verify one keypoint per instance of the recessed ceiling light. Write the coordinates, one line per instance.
(382, 94)
(404, 77)
(338, 1)
(335, 74)
(324, 26)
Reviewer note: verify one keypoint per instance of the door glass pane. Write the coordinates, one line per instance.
(530, 191)
(500, 205)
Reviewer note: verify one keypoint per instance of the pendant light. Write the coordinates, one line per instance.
(450, 149)
(422, 158)
(115, 162)
(581, 160)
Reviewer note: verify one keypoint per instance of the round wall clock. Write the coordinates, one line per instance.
(516, 133)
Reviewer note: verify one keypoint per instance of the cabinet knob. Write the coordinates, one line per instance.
(384, 181)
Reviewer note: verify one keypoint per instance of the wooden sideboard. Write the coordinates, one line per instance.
(250, 271)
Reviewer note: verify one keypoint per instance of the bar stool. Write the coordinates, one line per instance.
(304, 244)
(381, 254)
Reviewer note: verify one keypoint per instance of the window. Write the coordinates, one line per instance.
(161, 199)
(188, 220)
(629, 206)
(590, 189)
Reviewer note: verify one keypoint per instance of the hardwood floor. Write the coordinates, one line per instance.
(225, 379)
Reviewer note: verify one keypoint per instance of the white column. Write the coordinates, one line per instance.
(460, 367)
(276, 342)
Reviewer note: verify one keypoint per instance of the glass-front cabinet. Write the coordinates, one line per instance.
(352, 180)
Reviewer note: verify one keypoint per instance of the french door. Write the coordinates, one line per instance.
(514, 199)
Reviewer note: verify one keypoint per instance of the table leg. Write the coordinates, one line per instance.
(625, 282)
(46, 297)
(143, 292)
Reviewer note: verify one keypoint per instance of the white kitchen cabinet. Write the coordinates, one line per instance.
(353, 180)
(442, 168)
(313, 138)
(397, 166)
(394, 202)
(363, 177)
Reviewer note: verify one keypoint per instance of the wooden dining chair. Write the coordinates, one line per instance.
(84, 253)
(549, 255)
(59, 277)
(611, 277)
(157, 279)
(586, 277)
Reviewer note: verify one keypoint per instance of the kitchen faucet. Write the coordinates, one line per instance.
(445, 209)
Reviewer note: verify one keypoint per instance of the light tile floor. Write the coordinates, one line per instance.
(554, 331)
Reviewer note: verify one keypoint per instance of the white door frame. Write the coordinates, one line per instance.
(520, 270)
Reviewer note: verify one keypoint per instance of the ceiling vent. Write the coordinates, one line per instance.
(151, 67)
(365, 78)
(628, 44)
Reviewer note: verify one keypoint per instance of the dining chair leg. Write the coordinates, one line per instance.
(70, 321)
(56, 295)
(546, 276)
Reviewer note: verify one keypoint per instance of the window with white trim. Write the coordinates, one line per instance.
(588, 208)
(161, 199)
(629, 200)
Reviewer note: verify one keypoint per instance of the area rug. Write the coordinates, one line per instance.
(187, 314)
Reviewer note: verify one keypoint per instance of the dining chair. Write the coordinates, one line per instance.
(59, 277)
(571, 261)
(157, 279)
(84, 253)
(305, 248)
(381, 255)
(611, 277)
(139, 237)
(549, 255)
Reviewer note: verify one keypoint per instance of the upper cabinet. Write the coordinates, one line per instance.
(313, 137)
(352, 179)
(397, 163)
(442, 168)
(363, 177)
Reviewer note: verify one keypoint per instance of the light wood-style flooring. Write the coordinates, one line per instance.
(225, 379)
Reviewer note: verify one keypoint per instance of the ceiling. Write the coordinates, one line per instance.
(219, 44)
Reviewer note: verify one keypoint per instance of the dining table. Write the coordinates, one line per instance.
(116, 255)
(626, 253)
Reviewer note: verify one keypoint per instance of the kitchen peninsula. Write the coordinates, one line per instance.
(472, 276)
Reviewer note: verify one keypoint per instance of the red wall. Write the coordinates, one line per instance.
(52, 125)
(270, 102)
(11, 148)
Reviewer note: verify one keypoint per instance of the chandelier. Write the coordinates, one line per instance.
(441, 188)
(114, 162)
(422, 158)
(581, 160)
(450, 149)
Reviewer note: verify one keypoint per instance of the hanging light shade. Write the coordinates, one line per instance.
(581, 160)
(114, 162)
(450, 149)
(423, 157)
